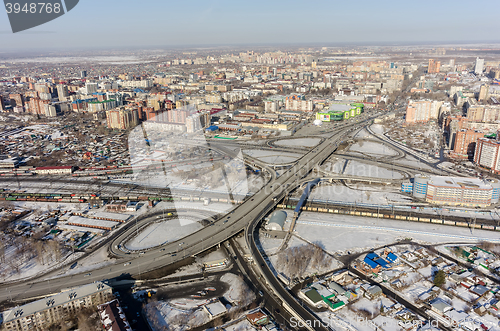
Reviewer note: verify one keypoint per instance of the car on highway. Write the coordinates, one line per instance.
(173, 255)
(224, 222)
(86, 275)
(126, 264)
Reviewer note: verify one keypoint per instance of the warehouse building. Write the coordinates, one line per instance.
(277, 221)
(92, 223)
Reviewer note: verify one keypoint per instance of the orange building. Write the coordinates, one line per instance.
(434, 66)
(465, 143)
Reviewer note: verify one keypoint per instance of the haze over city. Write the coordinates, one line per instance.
(152, 23)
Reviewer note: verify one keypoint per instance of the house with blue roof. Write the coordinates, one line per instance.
(383, 263)
(374, 266)
(392, 257)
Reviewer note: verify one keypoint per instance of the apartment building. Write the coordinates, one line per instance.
(487, 154)
(465, 143)
(39, 315)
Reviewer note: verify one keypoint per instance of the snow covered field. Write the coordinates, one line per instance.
(339, 233)
(162, 232)
(357, 168)
(301, 142)
(372, 148)
(411, 161)
(185, 313)
(342, 193)
(272, 157)
(378, 128)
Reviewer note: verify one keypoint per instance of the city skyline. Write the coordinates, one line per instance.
(106, 25)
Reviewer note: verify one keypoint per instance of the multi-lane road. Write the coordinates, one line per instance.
(246, 216)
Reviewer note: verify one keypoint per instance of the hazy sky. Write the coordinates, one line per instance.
(122, 23)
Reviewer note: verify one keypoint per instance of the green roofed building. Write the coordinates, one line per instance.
(340, 111)
(330, 116)
(313, 296)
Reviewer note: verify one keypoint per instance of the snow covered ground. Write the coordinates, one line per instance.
(272, 157)
(185, 313)
(302, 142)
(95, 260)
(162, 232)
(335, 165)
(363, 134)
(372, 148)
(364, 195)
(378, 128)
(357, 168)
(411, 161)
(339, 233)
(197, 266)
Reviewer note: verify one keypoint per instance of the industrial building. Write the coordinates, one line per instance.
(277, 221)
(456, 191)
(38, 315)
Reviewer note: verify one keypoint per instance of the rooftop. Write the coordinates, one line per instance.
(54, 301)
(459, 182)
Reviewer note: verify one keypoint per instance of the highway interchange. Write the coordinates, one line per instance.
(244, 217)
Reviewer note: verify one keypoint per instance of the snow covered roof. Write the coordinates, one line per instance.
(54, 301)
(458, 182)
(113, 317)
(215, 308)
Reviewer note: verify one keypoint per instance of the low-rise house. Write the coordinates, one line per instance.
(373, 292)
(112, 317)
(439, 306)
(215, 309)
(258, 318)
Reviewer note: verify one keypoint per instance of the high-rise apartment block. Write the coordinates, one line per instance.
(91, 87)
(487, 154)
(479, 66)
(483, 93)
(465, 143)
(122, 118)
(434, 66)
(16, 100)
(298, 103)
(418, 111)
(62, 92)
